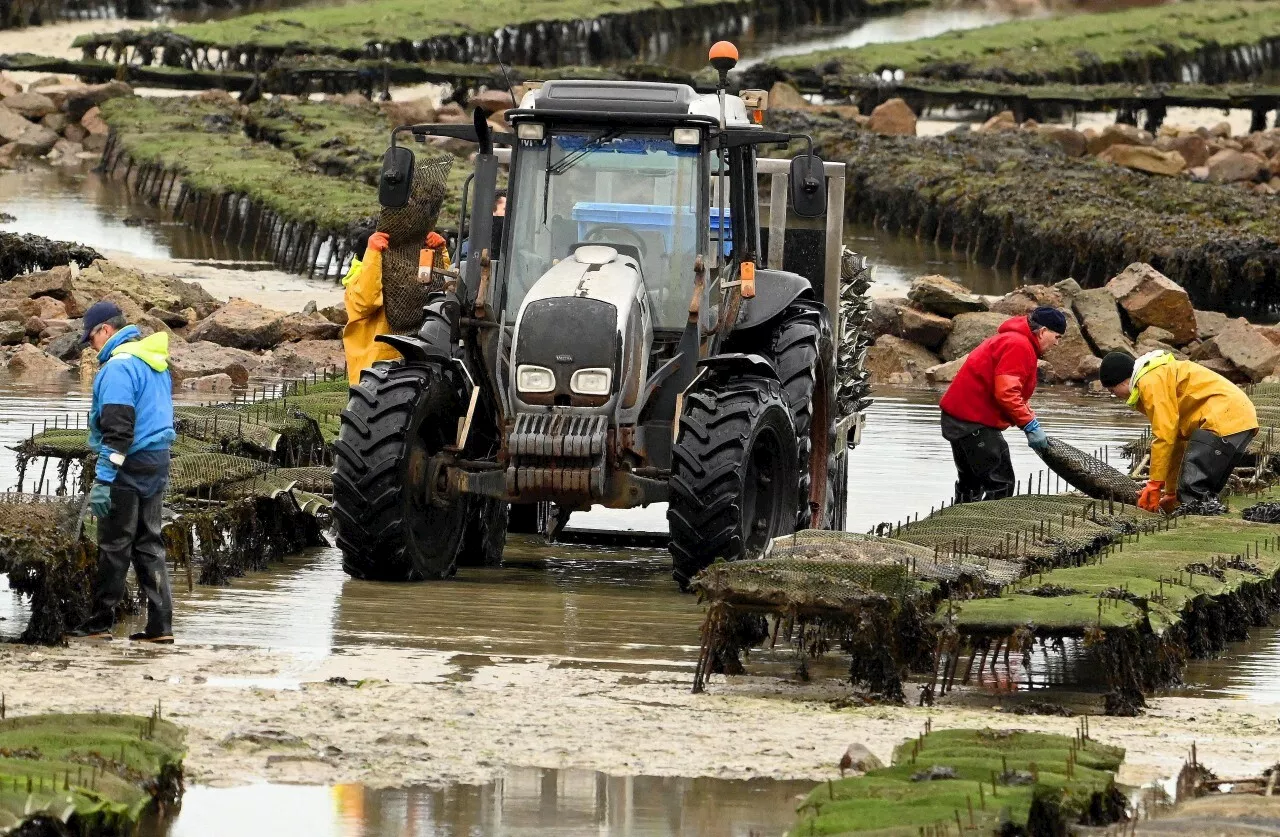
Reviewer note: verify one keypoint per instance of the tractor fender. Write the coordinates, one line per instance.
(775, 290)
(415, 351)
(437, 336)
(739, 363)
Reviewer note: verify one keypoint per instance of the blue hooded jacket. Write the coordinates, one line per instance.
(132, 411)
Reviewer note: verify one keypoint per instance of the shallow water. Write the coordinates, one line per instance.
(524, 802)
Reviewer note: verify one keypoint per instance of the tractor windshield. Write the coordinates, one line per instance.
(602, 187)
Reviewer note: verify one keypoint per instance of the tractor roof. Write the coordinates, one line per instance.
(569, 97)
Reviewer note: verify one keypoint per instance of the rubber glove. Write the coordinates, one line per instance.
(1169, 503)
(1149, 497)
(379, 241)
(100, 500)
(1036, 438)
(435, 240)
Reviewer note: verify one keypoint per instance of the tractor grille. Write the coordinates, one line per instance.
(557, 454)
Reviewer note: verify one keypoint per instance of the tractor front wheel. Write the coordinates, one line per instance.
(733, 475)
(393, 518)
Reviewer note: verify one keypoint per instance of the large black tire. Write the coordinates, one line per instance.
(733, 469)
(797, 344)
(486, 534)
(390, 525)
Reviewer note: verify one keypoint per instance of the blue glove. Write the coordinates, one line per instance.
(1036, 438)
(100, 500)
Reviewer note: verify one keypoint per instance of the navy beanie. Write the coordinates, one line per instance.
(1117, 367)
(1050, 318)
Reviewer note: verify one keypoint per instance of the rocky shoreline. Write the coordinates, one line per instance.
(922, 339)
(54, 119)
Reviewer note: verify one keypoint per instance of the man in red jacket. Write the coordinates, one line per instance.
(990, 394)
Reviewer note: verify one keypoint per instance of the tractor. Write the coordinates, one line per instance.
(629, 333)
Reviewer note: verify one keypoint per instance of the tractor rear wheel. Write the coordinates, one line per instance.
(393, 522)
(733, 475)
(486, 534)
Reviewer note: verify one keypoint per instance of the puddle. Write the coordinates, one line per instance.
(1250, 670)
(524, 802)
(898, 259)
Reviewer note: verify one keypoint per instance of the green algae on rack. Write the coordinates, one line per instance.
(90, 774)
(975, 780)
(1217, 40)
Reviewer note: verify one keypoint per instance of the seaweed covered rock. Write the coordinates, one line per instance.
(1152, 299)
(22, 253)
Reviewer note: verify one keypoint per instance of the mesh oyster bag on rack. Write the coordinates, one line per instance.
(1090, 474)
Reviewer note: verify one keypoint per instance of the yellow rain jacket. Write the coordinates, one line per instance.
(366, 316)
(1180, 397)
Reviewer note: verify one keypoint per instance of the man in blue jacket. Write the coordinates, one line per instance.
(131, 429)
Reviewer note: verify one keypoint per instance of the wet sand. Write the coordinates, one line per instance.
(55, 39)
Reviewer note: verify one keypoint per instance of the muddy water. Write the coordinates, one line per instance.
(529, 802)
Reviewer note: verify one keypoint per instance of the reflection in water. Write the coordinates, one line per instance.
(898, 259)
(1250, 669)
(525, 802)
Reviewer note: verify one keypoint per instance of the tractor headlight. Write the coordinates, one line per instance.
(591, 381)
(535, 379)
(530, 130)
(686, 136)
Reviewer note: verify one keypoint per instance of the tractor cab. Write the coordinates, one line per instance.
(631, 334)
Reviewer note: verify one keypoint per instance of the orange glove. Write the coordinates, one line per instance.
(435, 240)
(379, 241)
(1169, 503)
(1149, 497)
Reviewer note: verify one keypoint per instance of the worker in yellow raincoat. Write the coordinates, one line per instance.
(366, 315)
(1202, 424)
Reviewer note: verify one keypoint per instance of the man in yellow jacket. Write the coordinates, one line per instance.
(366, 314)
(1202, 424)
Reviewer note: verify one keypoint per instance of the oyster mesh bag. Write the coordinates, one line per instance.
(1089, 474)
(407, 226)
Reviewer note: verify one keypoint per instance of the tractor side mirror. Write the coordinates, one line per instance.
(808, 186)
(396, 179)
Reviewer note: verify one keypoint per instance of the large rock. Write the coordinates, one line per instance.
(1026, 299)
(893, 117)
(899, 318)
(883, 318)
(44, 307)
(783, 96)
(1229, 165)
(410, 112)
(1247, 350)
(293, 360)
(491, 101)
(1071, 359)
(1272, 333)
(1226, 369)
(32, 361)
(198, 359)
(335, 314)
(104, 278)
(939, 295)
(36, 141)
(1143, 158)
(1192, 147)
(1206, 350)
(93, 122)
(1119, 134)
(968, 330)
(221, 382)
(1156, 334)
(1001, 122)
(1073, 143)
(945, 373)
(1152, 299)
(303, 327)
(12, 332)
(1209, 323)
(241, 324)
(65, 346)
(31, 105)
(892, 360)
(12, 125)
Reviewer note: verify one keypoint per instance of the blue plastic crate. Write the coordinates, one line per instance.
(641, 217)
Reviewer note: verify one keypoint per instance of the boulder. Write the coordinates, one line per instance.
(783, 96)
(12, 124)
(30, 105)
(12, 332)
(491, 101)
(293, 360)
(144, 289)
(11, 312)
(56, 122)
(57, 328)
(1229, 165)
(1118, 134)
(945, 373)
(241, 324)
(858, 759)
(80, 101)
(94, 143)
(66, 153)
(1156, 334)
(30, 360)
(1152, 299)
(36, 141)
(929, 330)
(452, 113)
(1069, 288)
(8, 87)
(968, 330)
(1271, 332)
(892, 360)
(8, 155)
(1099, 317)
(1226, 369)
(1193, 148)
(335, 314)
(65, 346)
(303, 327)
(1026, 299)
(1247, 350)
(220, 382)
(148, 324)
(939, 295)
(1002, 121)
(1073, 143)
(55, 282)
(169, 318)
(409, 112)
(93, 122)
(1209, 323)
(350, 99)
(44, 307)
(1222, 130)
(1206, 350)
(33, 326)
(75, 133)
(200, 358)
(883, 318)
(893, 117)
(1071, 359)
(1142, 158)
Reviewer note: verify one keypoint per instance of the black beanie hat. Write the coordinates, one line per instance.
(1050, 318)
(1117, 367)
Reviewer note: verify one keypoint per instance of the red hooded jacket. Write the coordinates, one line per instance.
(997, 379)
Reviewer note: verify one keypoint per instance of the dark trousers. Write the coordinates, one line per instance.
(130, 533)
(1208, 461)
(983, 466)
